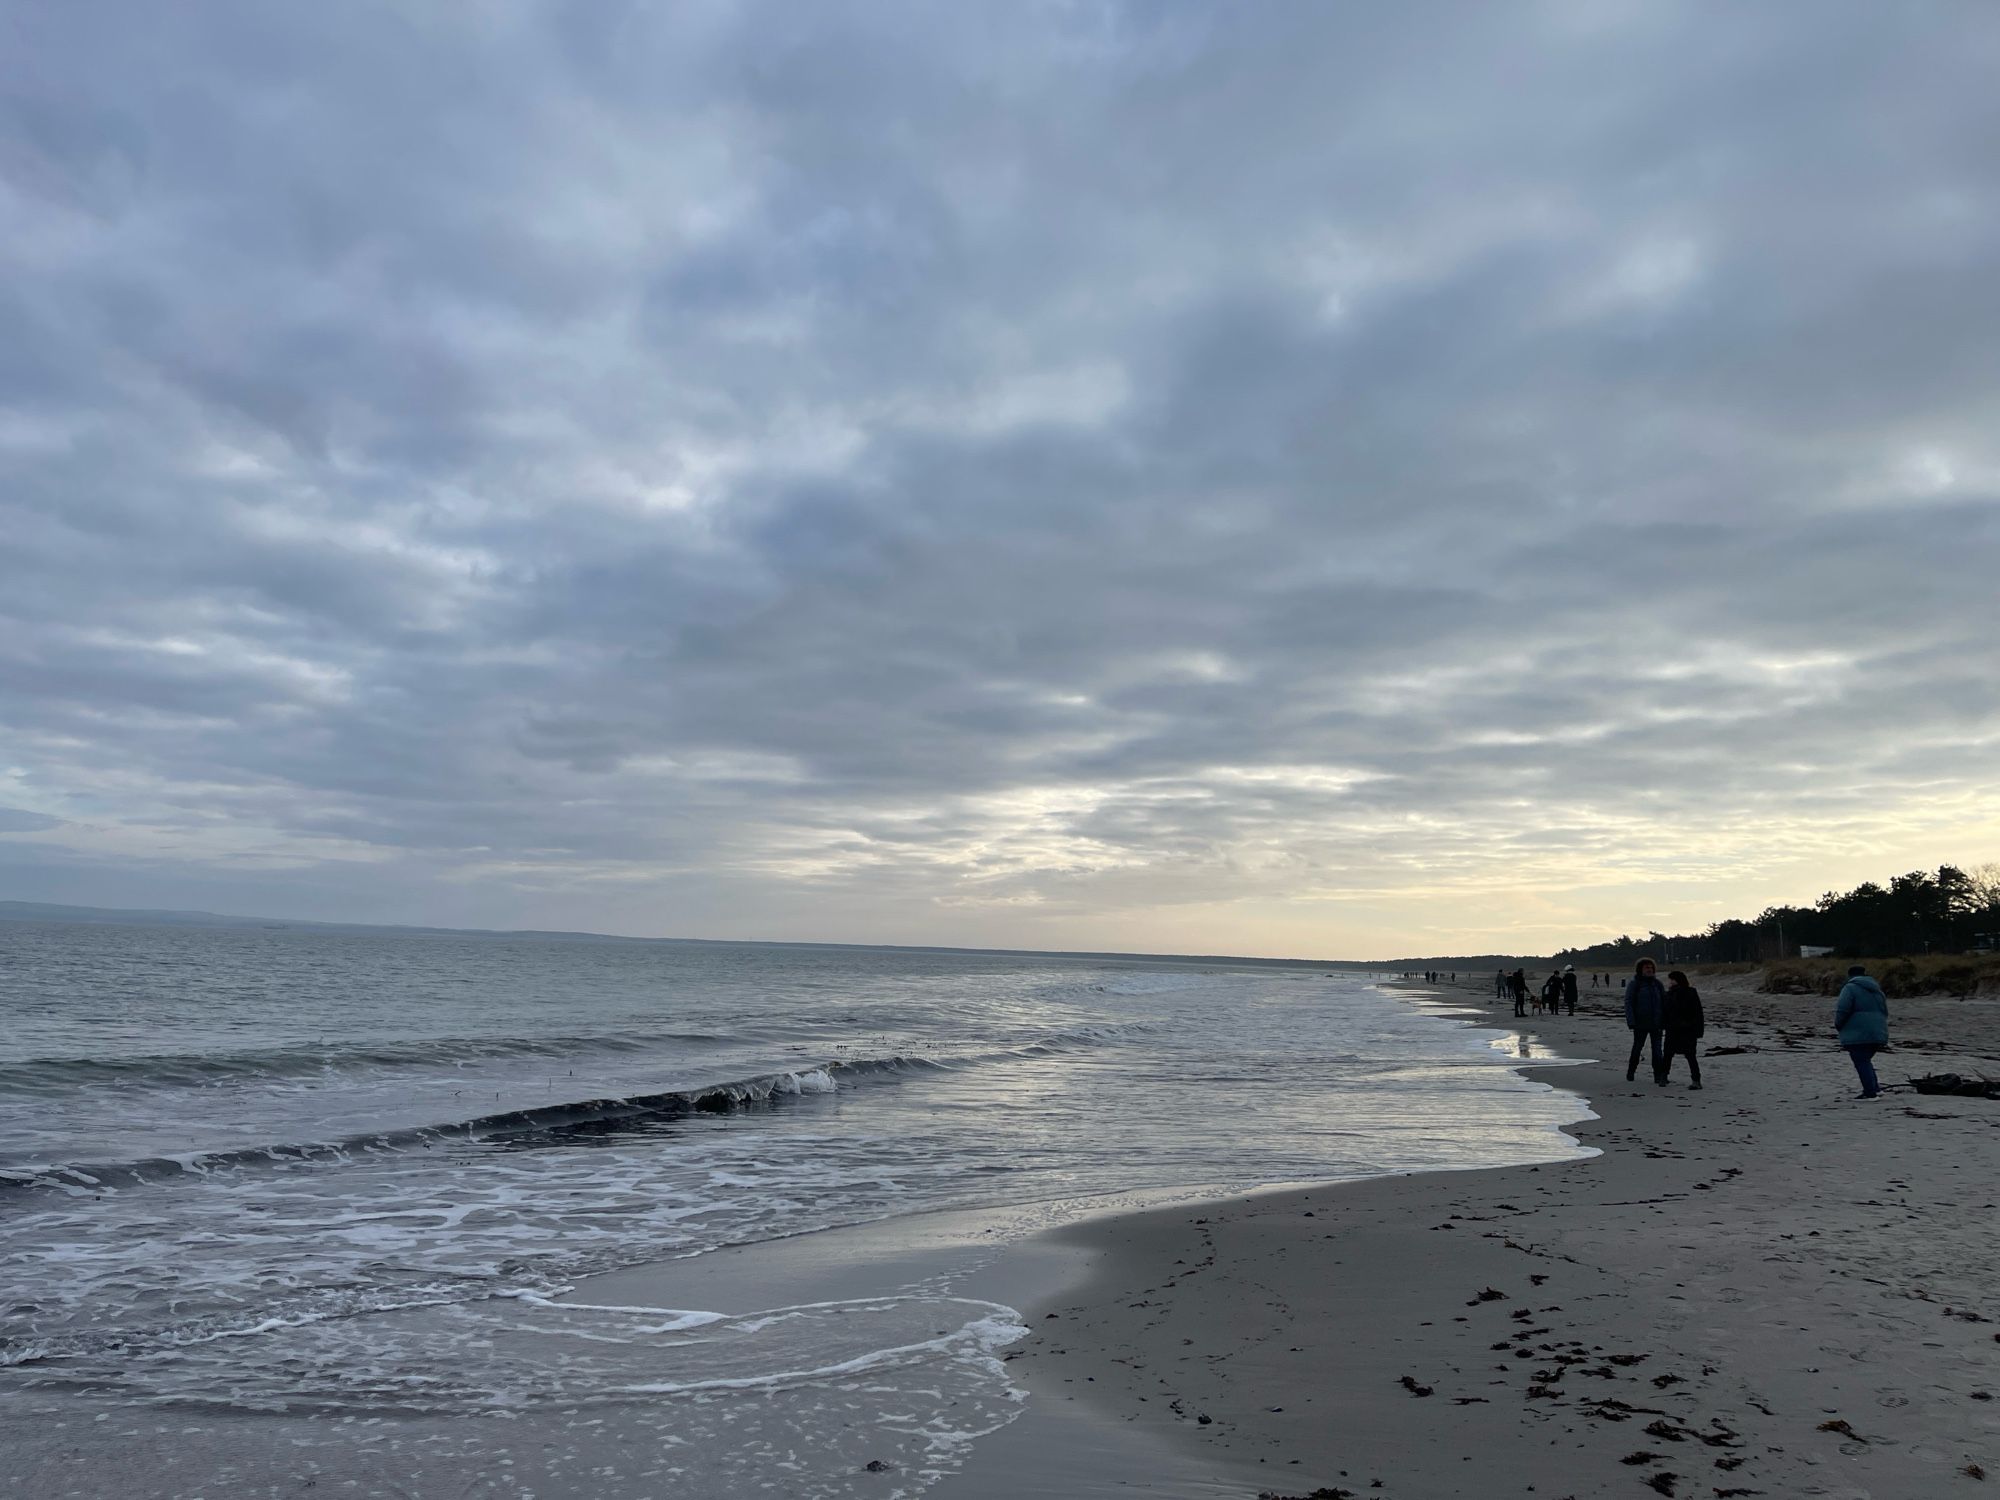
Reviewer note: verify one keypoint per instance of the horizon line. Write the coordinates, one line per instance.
(179, 916)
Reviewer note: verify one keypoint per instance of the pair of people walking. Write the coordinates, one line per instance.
(1668, 1017)
(1558, 990)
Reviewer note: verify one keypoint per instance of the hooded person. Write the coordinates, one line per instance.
(1645, 1017)
(1569, 987)
(1861, 1016)
(1682, 1018)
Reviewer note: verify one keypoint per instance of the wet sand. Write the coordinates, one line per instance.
(100, 1446)
(1761, 1288)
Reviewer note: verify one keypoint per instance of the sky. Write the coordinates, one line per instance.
(1298, 479)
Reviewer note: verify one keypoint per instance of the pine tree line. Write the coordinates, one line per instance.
(1949, 911)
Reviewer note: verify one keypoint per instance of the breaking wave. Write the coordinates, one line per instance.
(541, 1125)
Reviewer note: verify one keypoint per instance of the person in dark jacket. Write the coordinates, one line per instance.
(1861, 1016)
(1518, 982)
(1645, 1016)
(1569, 988)
(1682, 1018)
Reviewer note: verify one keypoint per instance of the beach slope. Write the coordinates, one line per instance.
(1761, 1288)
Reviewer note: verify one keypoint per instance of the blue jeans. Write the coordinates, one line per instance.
(1639, 1039)
(1864, 1065)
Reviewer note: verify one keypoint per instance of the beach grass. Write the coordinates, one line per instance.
(1958, 974)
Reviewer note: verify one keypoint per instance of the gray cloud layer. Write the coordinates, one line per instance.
(1286, 479)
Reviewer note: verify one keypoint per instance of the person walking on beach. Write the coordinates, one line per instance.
(1645, 1013)
(1500, 985)
(1861, 1016)
(1518, 983)
(1569, 988)
(1684, 1026)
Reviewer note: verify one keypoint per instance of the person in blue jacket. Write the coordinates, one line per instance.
(1861, 1016)
(1645, 1016)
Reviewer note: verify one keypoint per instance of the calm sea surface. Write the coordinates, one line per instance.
(345, 1176)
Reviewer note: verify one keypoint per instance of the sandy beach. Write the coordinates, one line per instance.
(1761, 1288)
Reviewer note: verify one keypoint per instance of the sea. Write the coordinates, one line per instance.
(292, 1210)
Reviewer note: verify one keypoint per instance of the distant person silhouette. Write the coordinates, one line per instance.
(1684, 1026)
(1645, 1015)
(1518, 983)
(1861, 1016)
(1569, 987)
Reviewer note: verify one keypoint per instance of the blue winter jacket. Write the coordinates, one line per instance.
(1862, 1013)
(1645, 1003)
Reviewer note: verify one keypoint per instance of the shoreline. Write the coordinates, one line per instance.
(1028, 1257)
(1711, 1269)
(1761, 1288)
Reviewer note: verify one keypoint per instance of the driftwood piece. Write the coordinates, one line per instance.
(1957, 1086)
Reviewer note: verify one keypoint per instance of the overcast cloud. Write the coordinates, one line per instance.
(1331, 479)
